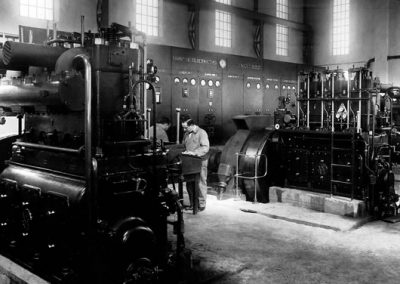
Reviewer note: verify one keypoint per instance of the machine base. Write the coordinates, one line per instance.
(318, 201)
(12, 273)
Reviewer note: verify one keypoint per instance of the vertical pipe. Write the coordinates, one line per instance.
(30, 36)
(138, 101)
(374, 98)
(358, 121)
(360, 86)
(333, 100)
(148, 122)
(82, 31)
(21, 33)
(308, 101)
(91, 193)
(98, 132)
(369, 101)
(348, 101)
(178, 124)
(47, 31)
(255, 177)
(237, 177)
(154, 120)
(54, 30)
(298, 100)
(144, 91)
(20, 116)
(322, 100)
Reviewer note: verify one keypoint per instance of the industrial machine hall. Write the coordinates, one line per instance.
(194, 142)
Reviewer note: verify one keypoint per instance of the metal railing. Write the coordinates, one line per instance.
(255, 177)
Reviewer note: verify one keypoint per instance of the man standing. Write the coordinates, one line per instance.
(196, 143)
(162, 126)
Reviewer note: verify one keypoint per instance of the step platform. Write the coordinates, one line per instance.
(326, 203)
(12, 273)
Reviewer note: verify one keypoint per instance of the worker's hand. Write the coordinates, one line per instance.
(189, 153)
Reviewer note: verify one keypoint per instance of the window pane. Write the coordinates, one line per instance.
(40, 9)
(49, 14)
(32, 12)
(40, 13)
(282, 9)
(340, 29)
(226, 2)
(282, 40)
(24, 11)
(147, 16)
(223, 28)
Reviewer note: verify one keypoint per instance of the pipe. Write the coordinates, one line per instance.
(82, 31)
(47, 148)
(23, 54)
(54, 30)
(178, 124)
(148, 122)
(89, 165)
(322, 101)
(360, 86)
(308, 101)
(19, 116)
(144, 92)
(154, 109)
(98, 131)
(30, 95)
(47, 31)
(348, 96)
(332, 77)
(298, 101)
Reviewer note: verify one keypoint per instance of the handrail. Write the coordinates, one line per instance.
(255, 177)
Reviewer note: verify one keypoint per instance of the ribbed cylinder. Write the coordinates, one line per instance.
(24, 54)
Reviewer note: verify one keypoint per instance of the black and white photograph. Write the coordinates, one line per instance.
(199, 141)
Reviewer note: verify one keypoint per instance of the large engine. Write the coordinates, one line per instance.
(83, 191)
(342, 141)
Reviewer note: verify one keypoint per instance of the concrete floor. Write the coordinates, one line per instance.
(232, 246)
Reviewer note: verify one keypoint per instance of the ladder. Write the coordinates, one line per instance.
(342, 144)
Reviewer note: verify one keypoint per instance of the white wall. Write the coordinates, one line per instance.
(175, 19)
(67, 15)
(374, 30)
